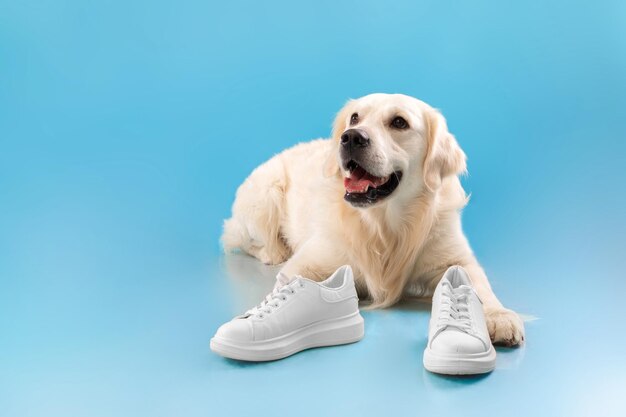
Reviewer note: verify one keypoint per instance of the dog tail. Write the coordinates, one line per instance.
(233, 236)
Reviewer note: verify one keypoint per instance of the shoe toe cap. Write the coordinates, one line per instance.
(453, 341)
(239, 330)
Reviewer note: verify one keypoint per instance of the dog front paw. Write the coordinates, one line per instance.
(505, 326)
(269, 257)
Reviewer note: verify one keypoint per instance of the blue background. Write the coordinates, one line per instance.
(126, 126)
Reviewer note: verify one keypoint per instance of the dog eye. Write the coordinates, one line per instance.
(354, 119)
(399, 123)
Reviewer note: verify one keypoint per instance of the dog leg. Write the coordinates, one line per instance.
(255, 226)
(505, 326)
(317, 259)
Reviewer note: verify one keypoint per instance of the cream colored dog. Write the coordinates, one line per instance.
(382, 195)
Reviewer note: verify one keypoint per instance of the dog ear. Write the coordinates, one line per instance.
(331, 165)
(341, 121)
(444, 157)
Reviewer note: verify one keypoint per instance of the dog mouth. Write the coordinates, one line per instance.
(363, 188)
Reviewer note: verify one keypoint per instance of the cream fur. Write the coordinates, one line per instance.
(291, 209)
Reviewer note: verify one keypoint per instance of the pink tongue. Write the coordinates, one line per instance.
(359, 180)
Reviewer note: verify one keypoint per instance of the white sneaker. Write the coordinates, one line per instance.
(299, 315)
(458, 339)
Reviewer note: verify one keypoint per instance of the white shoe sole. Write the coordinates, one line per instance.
(339, 331)
(461, 363)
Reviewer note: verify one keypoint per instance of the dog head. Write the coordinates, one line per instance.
(391, 145)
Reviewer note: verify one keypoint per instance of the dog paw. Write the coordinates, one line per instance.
(505, 327)
(269, 257)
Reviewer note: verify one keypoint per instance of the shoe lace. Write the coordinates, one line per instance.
(454, 309)
(273, 300)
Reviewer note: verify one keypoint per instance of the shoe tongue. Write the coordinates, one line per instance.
(282, 279)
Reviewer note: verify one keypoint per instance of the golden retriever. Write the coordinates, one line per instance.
(382, 195)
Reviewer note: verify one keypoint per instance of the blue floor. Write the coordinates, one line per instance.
(126, 126)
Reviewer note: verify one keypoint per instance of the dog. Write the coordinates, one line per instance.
(382, 194)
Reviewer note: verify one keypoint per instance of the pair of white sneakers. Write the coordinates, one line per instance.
(304, 314)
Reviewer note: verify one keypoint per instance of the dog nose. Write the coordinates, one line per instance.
(355, 137)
